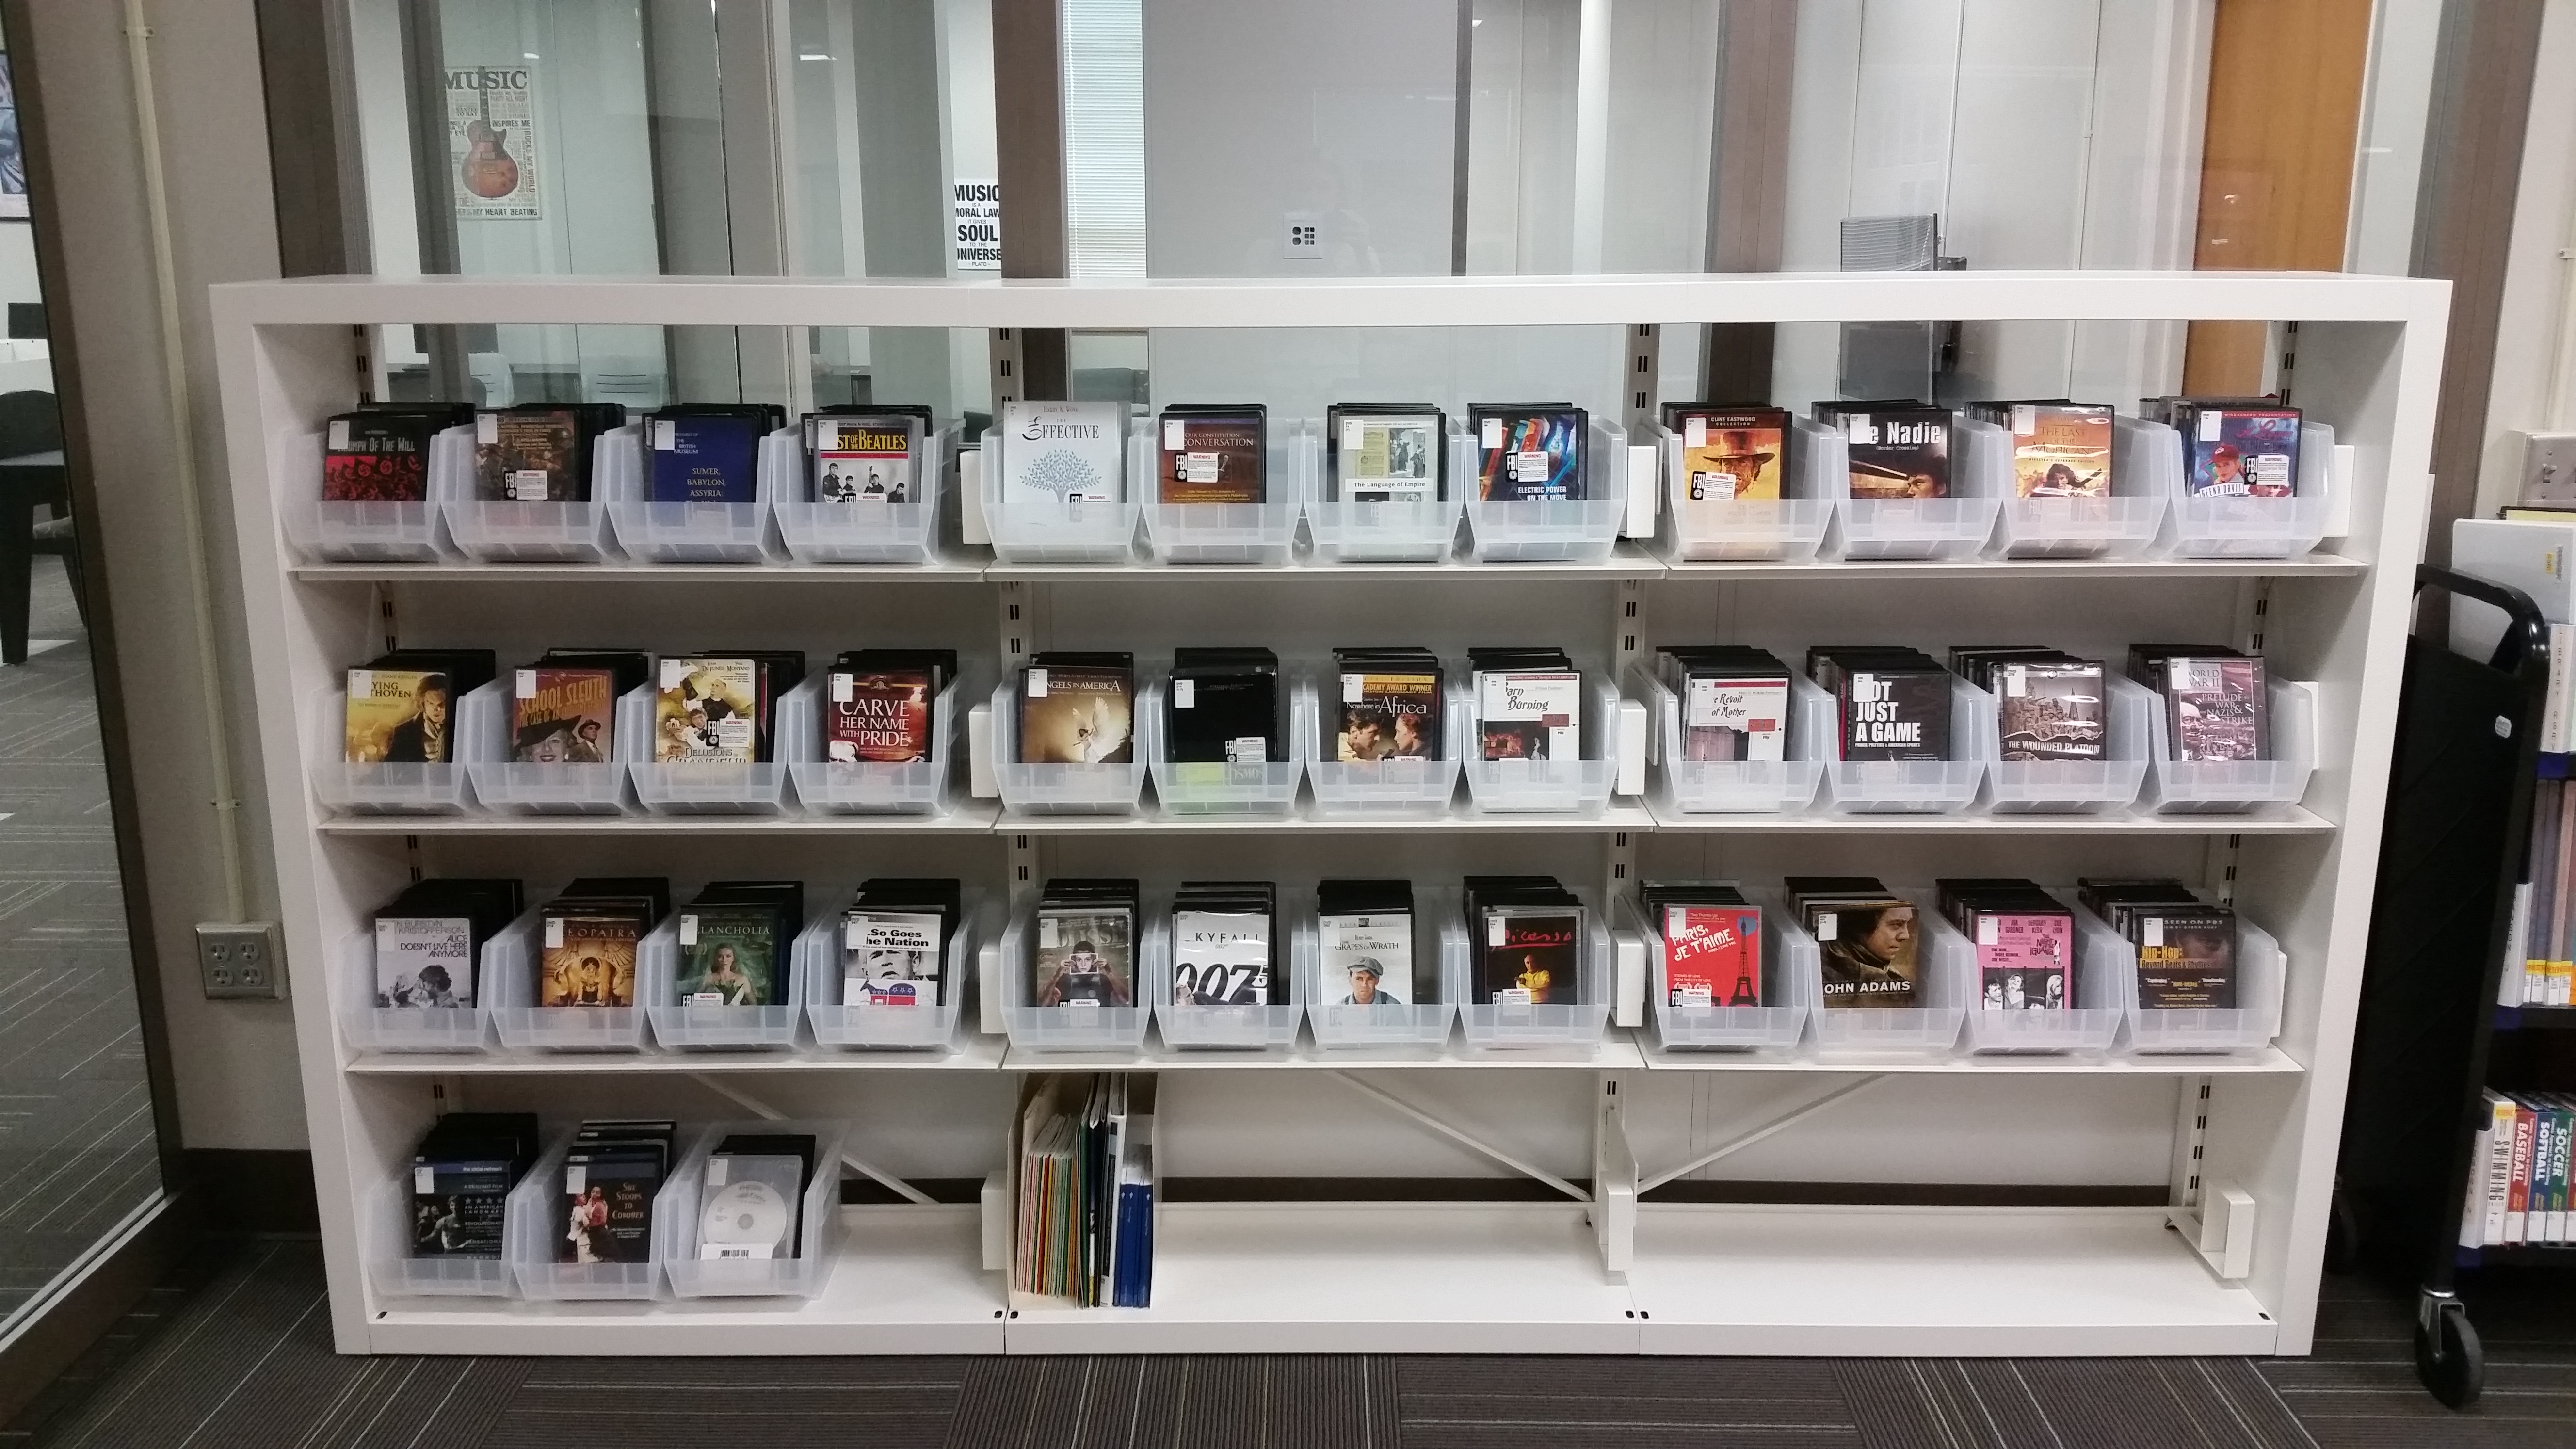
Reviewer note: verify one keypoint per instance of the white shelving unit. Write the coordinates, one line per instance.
(1648, 1243)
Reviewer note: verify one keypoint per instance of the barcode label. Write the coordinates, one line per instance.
(1493, 435)
(688, 930)
(339, 434)
(1185, 694)
(666, 435)
(1695, 433)
(524, 683)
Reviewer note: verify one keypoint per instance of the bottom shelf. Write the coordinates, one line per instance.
(1965, 1282)
(907, 1281)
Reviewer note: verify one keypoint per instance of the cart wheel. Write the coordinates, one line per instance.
(2454, 1369)
(2343, 1234)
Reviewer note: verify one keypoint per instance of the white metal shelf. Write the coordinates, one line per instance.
(2270, 1061)
(948, 572)
(2294, 820)
(1615, 817)
(1616, 1052)
(975, 1053)
(973, 817)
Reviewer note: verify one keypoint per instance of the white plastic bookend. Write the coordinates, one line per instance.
(979, 753)
(1614, 1184)
(1643, 459)
(1631, 779)
(1628, 979)
(995, 1222)
(2221, 1229)
(989, 1001)
(970, 498)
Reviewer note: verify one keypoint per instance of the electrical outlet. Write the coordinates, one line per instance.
(2548, 468)
(241, 962)
(1301, 237)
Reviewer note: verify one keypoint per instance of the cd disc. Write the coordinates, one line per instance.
(745, 1213)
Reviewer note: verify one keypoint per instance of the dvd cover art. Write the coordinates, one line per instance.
(1536, 715)
(1389, 717)
(588, 961)
(563, 716)
(1367, 960)
(609, 1207)
(1063, 460)
(880, 717)
(862, 460)
(1712, 956)
(1084, 957)
(2245, 453)
(730, 958)
(1220, 958)
(1898, 454)
(1870, 952)
(1389, 459)
(2217, 708)
(528, 457)
(1735, 718)
(706, 711)
(2050, 712)
(399, 717)
(1212, 459)
(424, 961)
(2025, 960)
(1734, 456)
(703, 458)
(1529, 956)
(1071, 716)
(1527, 457)
(2061, 450)
(2186, 960)
(376, 458)
(890, 958)
(1895, 715)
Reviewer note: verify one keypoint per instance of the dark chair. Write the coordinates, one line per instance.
(31, 427)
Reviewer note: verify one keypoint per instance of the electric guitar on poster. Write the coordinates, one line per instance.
(489, 171)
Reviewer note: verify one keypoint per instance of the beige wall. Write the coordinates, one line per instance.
(2537, 280)
(234, 1062)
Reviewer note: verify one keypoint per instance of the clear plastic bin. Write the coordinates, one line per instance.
(537, 1226)
(1726, 1028)
(398, 1275)
(1342, 1027)
(2121, 524)
(1520, 787)
(818, 1220)
(1716, 787)
(1492, 1027)
(1898, 528)
(1787, 530)
(680, 532)
(1221, 533)
(711, 788)
(1921, 787)
(1378, 789)
(372, 1028)
(1104, 534)
(2204, 526)
(1069, 1028)
(1210, 787)
(859, 532)
(839, 1023)
(867, 787)
(1347, 532)
(481, 723)
(2246, 1027)
(679, 1026)
(514, 788)
(343, 532)
(1928, 1030)
(1574, 530)
(499, 531)
(2059, 787)
(1249, 1028)
(2228, 787)
(510, 990)
(2087, 1025)
(1066, 789)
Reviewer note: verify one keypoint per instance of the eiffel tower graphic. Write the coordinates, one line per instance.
(1743, 994)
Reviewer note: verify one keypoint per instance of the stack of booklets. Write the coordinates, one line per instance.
(1083, 1228)
(2024, 940)
(878, 704)
(1734, 700)
(1365, 933)
(1525, 939)
(1385, 453)
(1529, 704)
(2233, 447)
(2186, 947)
(402, 705)
(1086, 947)
(1078, 708)
(539, 452)
(736, 943)
(1530, 452)
(1226, 947)
(2060, 448)
(1868, 941)
(2518, 1171)
(589, 937)
(1898, 448)
(1712, 938)
(1890, 703)
(563, 707)
(430, 937)
(1731, 453)
(706, 452)
(721, 708)
(615, 1169)
(751, 1205)
(461, 1176)
(2215, 701)
(380, 453)
(894, 942)
(1391, 705)
(865, 454)
(2049, 705)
